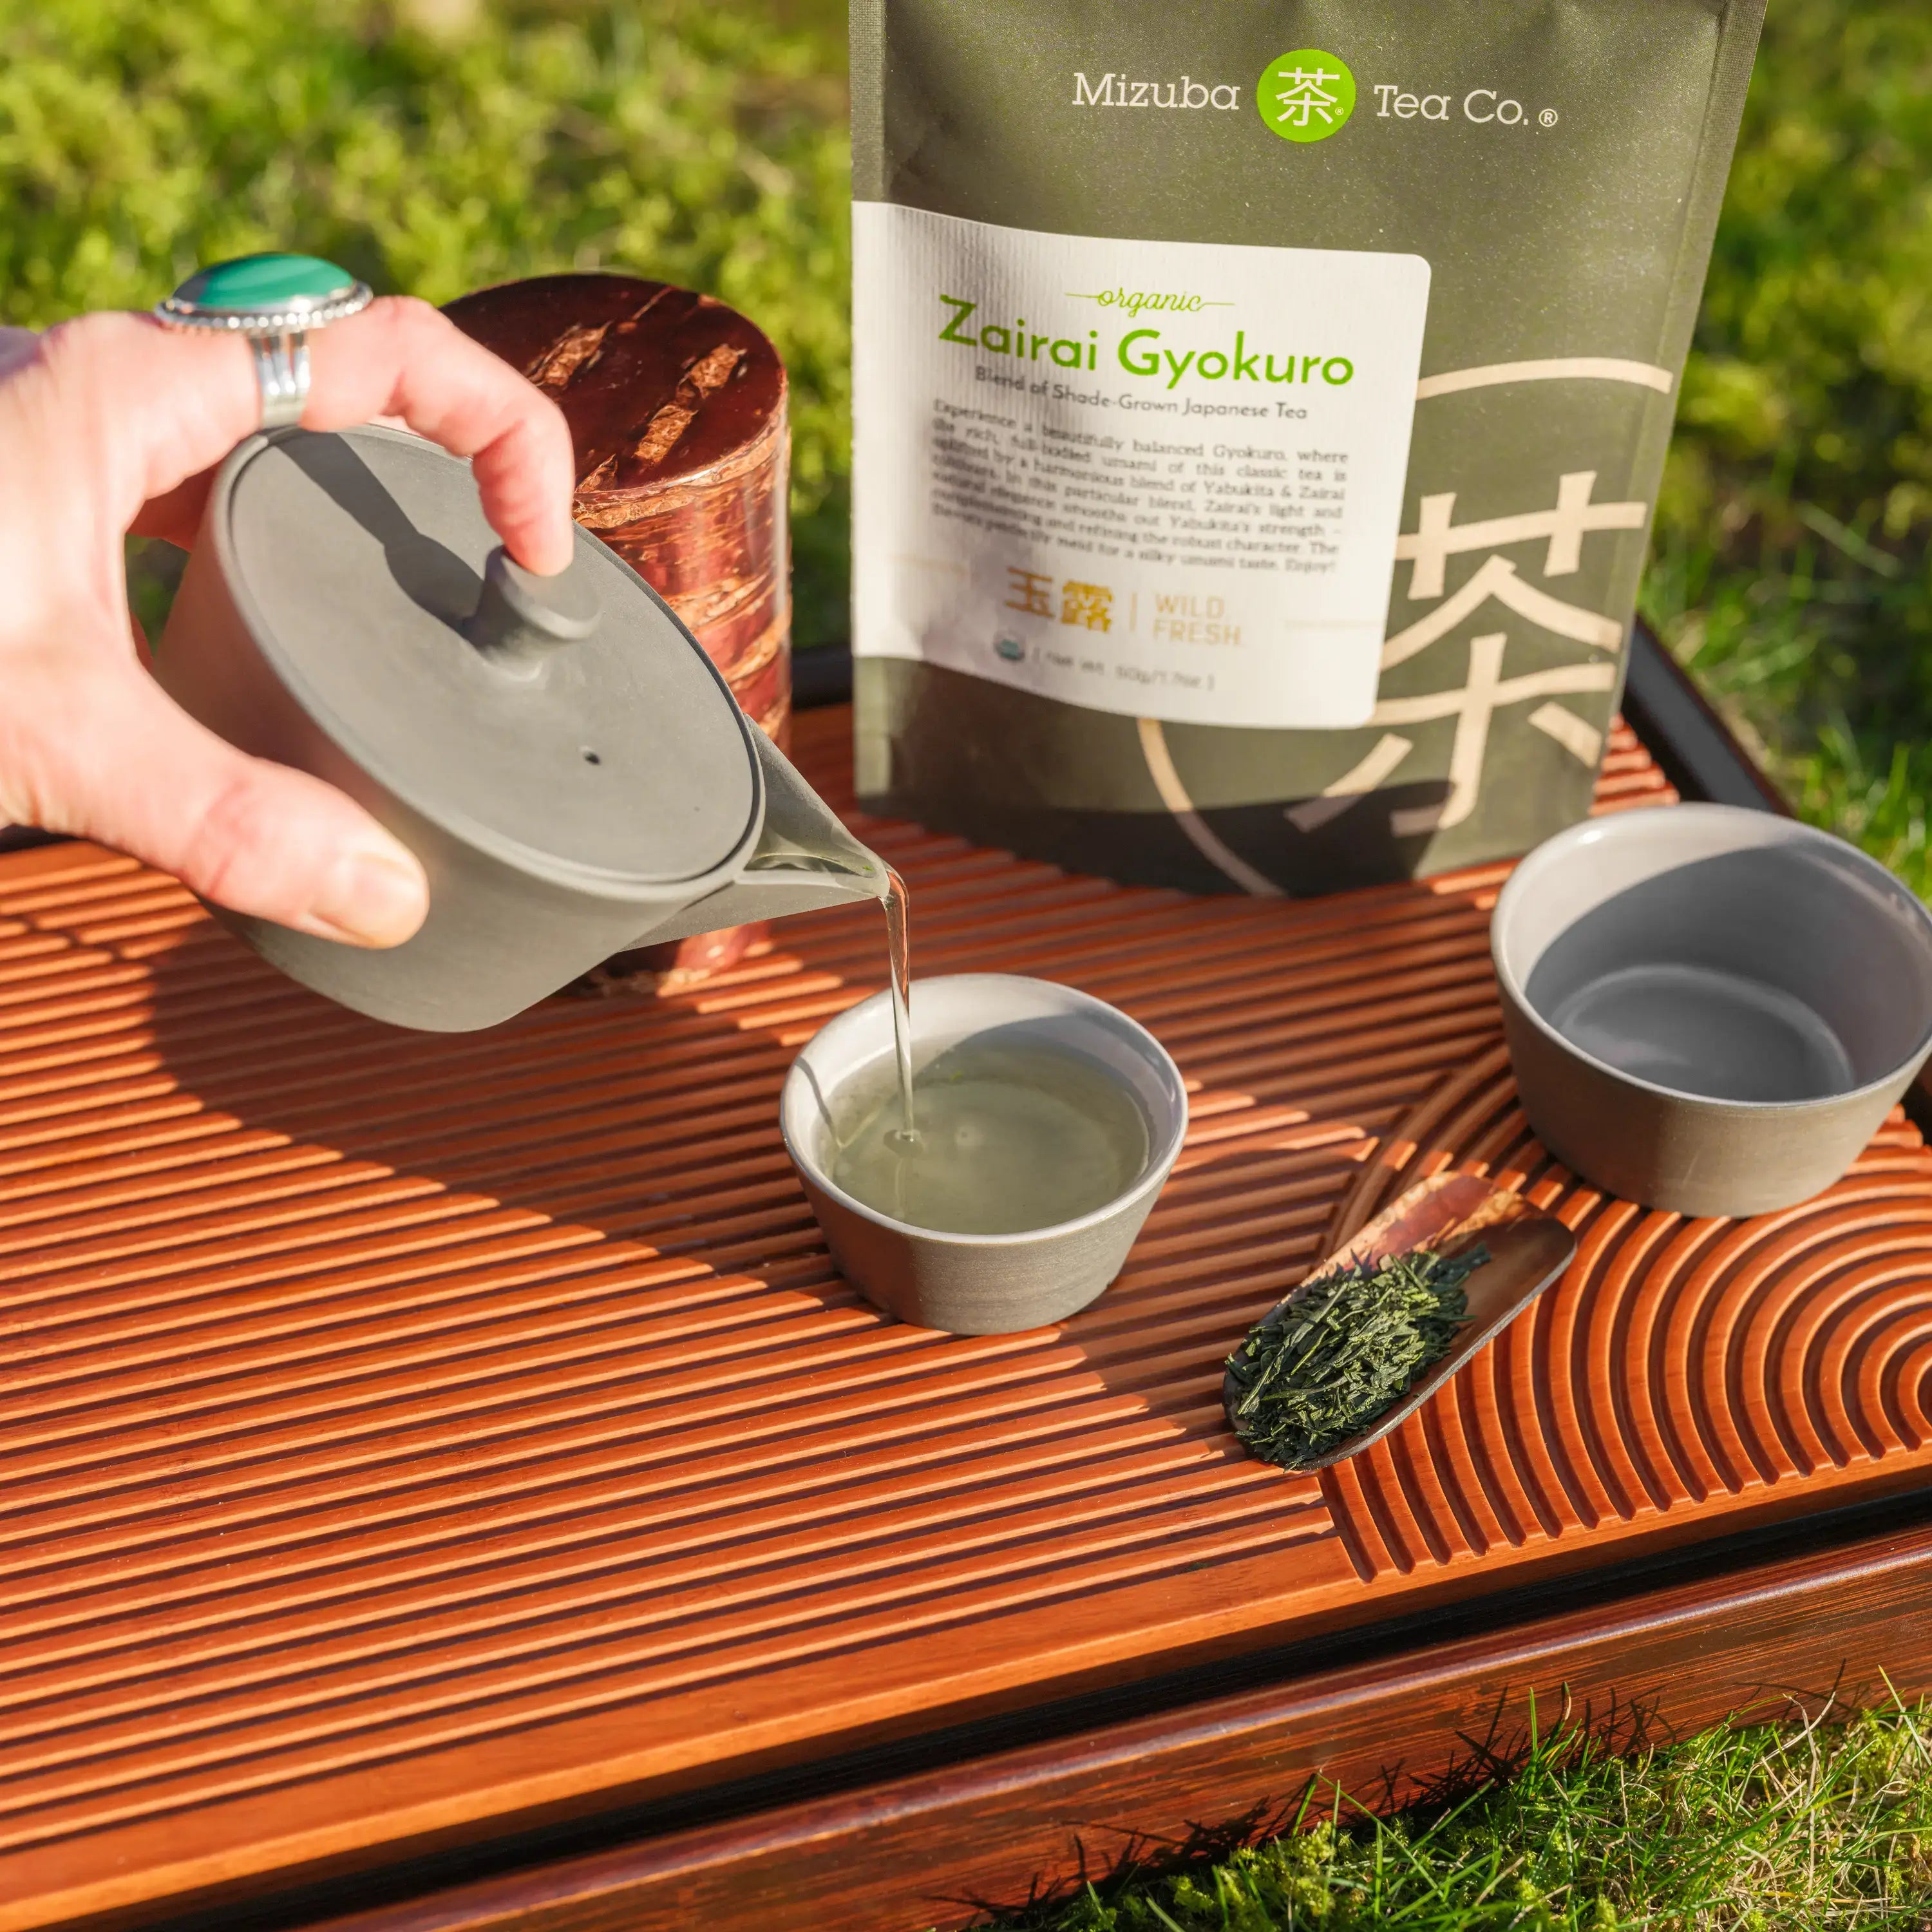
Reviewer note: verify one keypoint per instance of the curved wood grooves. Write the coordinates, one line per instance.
(1677, 1363)
(405, 1434)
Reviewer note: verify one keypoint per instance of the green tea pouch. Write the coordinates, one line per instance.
(1258, 413)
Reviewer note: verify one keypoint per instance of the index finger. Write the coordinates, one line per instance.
(402, 357)
(159, 407)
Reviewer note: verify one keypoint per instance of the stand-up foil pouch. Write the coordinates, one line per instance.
(1258, 410)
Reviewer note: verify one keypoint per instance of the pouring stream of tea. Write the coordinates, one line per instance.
(1009, 1135)
(899, 952)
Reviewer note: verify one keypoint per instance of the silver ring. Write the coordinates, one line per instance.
(179, 311)
(281, 375)
(275, 301)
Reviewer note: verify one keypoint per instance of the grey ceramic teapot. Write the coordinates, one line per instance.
(574, 775)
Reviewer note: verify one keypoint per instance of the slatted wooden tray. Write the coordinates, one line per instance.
(406, 1438)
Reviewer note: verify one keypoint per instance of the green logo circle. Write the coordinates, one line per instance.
(1306, 95)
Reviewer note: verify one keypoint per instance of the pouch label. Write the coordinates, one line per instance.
(1159, 479)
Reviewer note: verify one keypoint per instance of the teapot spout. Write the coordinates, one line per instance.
(805, 861)
(803, 840)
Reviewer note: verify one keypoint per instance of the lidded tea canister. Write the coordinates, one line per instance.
(676, 405)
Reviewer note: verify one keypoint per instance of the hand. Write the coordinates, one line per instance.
(112, 424)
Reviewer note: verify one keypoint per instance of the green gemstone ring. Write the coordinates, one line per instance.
(274, 301)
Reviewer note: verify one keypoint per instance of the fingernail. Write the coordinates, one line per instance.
(376, 896)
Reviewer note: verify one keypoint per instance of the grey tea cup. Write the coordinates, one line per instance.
(977, 1284)
(1710, 1010)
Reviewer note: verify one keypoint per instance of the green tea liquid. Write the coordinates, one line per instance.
(899, 953)
(1008, 1138)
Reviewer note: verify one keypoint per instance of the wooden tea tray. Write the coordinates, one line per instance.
(416, 1451)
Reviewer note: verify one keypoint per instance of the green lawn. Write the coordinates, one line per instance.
(1792, 571)
(437, 145)
(1765, 1828)
(705, 144)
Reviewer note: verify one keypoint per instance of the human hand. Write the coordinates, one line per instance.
(111, 423)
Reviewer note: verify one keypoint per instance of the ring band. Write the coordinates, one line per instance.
(276, 301)
(281, 375)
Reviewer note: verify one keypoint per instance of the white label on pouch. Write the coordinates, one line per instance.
(1163, 479)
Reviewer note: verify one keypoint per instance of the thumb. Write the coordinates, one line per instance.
(127, 766)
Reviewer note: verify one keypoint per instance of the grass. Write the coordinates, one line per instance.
(1791, 570)
(437, 146)
(1767, 1828)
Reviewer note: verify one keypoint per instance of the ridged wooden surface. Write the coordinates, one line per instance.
(1679, 1365)
(403, 1434)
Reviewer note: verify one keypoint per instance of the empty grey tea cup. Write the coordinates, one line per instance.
(1710, 1010)
(977, 1284)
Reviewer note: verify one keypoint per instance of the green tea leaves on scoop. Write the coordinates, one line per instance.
(1323, 1366)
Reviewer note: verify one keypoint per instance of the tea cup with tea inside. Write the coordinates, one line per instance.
(1046, 1123)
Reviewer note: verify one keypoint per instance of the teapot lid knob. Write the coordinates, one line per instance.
(569, 726)
(521, 617)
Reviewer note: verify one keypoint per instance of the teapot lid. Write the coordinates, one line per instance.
(568, 724)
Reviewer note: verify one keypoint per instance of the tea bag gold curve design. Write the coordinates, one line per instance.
(274, 301)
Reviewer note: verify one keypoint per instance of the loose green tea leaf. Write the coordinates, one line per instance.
(1323, 1366)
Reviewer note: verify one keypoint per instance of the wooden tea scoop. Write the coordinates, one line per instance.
(1447, 1214)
